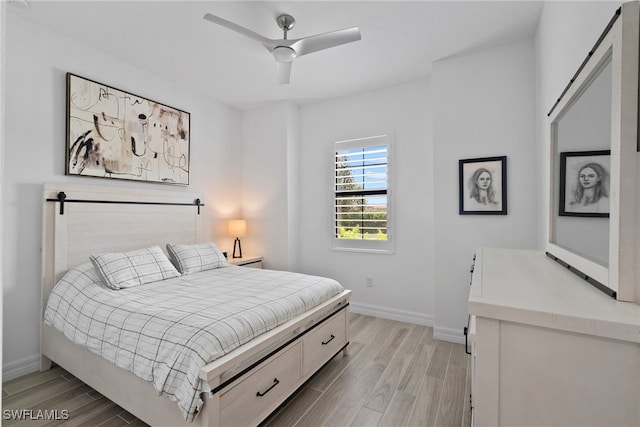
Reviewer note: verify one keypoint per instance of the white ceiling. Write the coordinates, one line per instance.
(400, 41)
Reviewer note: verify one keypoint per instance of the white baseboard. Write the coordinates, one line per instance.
(21, 367)
(448, 334)
(439, 333)
(391, 314)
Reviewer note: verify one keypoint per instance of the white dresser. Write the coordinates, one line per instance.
(548, 349)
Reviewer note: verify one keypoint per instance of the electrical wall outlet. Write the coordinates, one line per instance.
(369, 282)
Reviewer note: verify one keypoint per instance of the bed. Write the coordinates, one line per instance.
(242, 385)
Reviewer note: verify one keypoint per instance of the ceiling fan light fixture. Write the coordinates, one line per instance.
(284, 54)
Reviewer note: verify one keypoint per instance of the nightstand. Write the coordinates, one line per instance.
(251, 261)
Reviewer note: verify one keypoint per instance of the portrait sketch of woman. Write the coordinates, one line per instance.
(584, 186)
(483, 186)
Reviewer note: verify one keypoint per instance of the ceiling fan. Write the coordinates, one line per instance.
(284, 50)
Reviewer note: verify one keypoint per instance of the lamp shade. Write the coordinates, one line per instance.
(237, 227)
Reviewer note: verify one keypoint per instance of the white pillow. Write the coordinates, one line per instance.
(190, 259)
(127, 269)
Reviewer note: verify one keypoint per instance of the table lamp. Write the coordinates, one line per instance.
(237, 229)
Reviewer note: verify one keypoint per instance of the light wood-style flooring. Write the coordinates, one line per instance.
(395, 375)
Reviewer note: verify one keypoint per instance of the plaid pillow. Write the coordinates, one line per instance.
(190, 259)
(126, 269)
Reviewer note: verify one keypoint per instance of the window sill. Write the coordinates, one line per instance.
(387, 251)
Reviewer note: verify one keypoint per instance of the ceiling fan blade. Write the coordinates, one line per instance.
(326, 40)
(283, 71)
(266, 42)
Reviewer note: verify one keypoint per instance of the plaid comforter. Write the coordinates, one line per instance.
(165, 331)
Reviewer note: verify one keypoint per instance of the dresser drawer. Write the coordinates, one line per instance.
(253, 397)
(324, 342)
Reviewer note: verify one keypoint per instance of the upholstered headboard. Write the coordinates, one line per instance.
(82, 220)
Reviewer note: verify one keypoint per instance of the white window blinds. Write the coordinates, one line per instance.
(361, 193)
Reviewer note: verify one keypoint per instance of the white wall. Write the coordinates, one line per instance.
(269, 184)
(403, 281)
(293, 189)
(34, 146)
(567, 31)
(484, 106)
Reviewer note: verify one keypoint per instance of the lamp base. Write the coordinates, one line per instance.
(236, 243)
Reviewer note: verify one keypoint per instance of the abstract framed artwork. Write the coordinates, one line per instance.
(116, 134)
(584, 183)
(483, 186)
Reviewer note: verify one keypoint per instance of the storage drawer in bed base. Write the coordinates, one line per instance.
(265, 358)
(251, 395)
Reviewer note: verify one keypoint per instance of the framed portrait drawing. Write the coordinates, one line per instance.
(483, 186)
(584, 183)
(119, 135)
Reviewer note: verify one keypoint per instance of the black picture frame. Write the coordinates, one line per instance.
(115, 134)
(576, 200)
(475, 200)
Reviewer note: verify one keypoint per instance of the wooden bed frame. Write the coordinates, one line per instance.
(249, 383)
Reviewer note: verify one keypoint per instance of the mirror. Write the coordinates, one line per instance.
(582, 131)
(594, 157)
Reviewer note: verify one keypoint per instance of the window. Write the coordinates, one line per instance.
(362, 195)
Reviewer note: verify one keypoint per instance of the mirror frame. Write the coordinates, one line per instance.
(619, 44)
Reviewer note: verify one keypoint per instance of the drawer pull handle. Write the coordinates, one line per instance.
(330, 339)
(466, 334)
(275, 383)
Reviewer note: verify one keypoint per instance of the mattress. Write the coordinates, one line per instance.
(165, 331)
